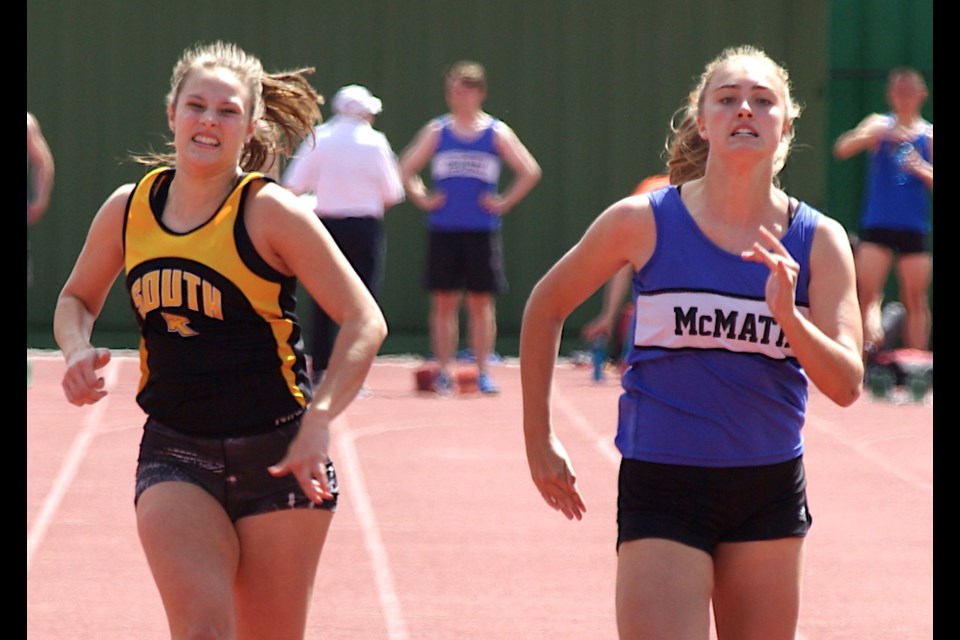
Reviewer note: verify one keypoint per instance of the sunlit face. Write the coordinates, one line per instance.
(906, 94)
(742, 108)
(211, 118)
(464, 95)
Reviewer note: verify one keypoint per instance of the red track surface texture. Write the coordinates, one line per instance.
(440, 533)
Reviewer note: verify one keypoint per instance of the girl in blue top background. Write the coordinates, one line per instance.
(465, 150)
(896, 215)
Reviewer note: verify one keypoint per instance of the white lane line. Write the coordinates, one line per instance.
(603, 442)
(75, 455)
(377, 551)
(867, 453)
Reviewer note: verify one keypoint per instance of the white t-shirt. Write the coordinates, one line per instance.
(349, 168)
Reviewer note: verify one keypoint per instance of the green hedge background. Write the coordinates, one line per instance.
(589, 86)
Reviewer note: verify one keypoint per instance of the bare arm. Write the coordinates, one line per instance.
(293, 240)
(920, 167)
(613, 294)
(829, 345)
(622, 235)
(82, 298)
(527, 171)
(413, 160)
(866, 135)
(42, 170)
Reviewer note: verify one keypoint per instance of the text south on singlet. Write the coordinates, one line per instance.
(175, 288)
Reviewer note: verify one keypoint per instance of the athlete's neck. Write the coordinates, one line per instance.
(192, 199)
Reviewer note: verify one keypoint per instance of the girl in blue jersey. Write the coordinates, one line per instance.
(895, 225)
(743, 295)
(465, 149)
(235, 488)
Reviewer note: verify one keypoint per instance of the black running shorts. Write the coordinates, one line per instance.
(232, 470)
(704, 506)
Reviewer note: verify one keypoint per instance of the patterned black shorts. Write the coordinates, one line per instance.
(232, 470)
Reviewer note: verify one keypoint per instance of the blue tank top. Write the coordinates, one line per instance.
(464, 171)
(896, 199)
(711, 379)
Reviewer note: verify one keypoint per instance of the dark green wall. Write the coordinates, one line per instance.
(589, 86)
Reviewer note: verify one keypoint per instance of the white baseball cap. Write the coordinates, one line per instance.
(357, 101)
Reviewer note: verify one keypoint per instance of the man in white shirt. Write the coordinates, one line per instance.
(351, 170)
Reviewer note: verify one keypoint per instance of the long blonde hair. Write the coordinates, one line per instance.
(687, 152)
(286, 105)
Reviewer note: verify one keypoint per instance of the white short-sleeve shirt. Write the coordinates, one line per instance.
(349, 167)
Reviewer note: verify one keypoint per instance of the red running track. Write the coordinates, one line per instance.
(440, 533)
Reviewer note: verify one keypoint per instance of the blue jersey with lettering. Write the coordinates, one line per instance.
(464, 171)
(712, 380)
(897, 199)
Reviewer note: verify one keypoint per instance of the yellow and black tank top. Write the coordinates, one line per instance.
(221, 352)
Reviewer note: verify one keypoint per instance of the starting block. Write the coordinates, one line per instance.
(464, 378)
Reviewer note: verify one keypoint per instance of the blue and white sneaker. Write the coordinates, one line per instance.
(486, 384)
(442, 384)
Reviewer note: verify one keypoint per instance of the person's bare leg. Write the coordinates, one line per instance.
(193, 552)
(445, 326)
(481, 307)
(873, 263)
(279, 555)
(663, 590)
(757, 589)
(914, 273)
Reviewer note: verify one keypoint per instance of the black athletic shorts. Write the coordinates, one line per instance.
(704, 506)
(232, 470)
(471, 260)
(903, 242)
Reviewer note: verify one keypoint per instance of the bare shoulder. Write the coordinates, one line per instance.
(280, 225)
(106, 228)
(633, 207)
(423, 143)
(501, 127)
(627, 218)
(627, 229)
(431, 129)
(274, 202)
(116, 202)
(123, 192)
(870, 123)
(831, 237)
(877, 119)
(33, 125)
(503, 132)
